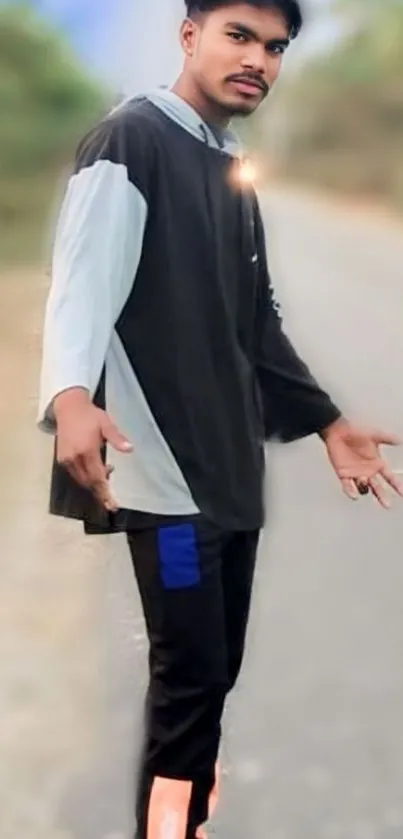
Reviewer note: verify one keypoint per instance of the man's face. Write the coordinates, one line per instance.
(234, 55)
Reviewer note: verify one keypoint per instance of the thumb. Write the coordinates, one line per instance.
(385, 438)
(113, 436)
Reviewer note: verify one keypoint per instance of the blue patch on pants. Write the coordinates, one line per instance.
(179, 556)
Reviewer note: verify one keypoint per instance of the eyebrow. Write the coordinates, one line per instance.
(250, 33)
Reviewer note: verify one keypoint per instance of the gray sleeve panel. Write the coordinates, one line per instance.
(96, 254)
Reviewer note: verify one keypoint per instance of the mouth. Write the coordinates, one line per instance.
(249, 87)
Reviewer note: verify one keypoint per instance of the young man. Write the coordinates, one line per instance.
(165, 369)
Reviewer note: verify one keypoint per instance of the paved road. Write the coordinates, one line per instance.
(314, 733)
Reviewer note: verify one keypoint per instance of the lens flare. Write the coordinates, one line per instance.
(247, 172)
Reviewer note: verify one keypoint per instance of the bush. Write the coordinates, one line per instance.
(344, 123)
(47, 101)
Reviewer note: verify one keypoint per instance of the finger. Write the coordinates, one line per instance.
(350, 488)
(81, 471)
(93, 467)
(113, 436)
(362, 471)
(103, 493)
(84, 469)
(108, 499)
(384, 438)
(379, 494)
(97, 480)
(76, 470)
(392, 480)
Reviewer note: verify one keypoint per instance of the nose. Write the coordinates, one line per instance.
(255, 59)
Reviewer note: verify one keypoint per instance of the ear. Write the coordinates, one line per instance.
(188, 36)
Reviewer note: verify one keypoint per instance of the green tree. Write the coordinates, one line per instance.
(46, 102)
(345, 111)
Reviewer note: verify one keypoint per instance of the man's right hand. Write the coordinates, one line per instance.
(82, 430)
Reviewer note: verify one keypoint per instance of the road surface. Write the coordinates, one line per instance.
(313, 745)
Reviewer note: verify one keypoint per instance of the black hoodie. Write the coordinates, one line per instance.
(162, 306)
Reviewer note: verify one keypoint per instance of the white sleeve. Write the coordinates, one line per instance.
(96, 254)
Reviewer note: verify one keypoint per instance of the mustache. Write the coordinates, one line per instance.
(253, 78)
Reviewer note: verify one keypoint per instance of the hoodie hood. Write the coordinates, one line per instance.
(187, 117)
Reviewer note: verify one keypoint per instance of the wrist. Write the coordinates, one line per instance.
(69, 401)
(334, 428)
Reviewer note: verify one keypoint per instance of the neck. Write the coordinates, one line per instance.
(209, 111)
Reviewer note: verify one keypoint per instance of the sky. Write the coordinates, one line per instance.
(130, 42)
(91, 25)
(134, 43)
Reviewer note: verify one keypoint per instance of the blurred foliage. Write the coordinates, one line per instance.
(337, 123)
(340, 123)
(46, 102)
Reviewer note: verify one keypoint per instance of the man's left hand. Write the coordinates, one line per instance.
(355, 456)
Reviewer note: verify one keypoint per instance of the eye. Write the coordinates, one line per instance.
(239, 37)
(276, 49)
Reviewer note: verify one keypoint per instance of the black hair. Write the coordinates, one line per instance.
(291, 9)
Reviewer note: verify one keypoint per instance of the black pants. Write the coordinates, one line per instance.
(195, 584)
